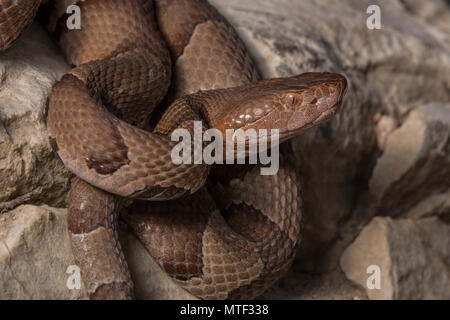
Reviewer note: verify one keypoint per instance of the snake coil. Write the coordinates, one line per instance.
(221, 232)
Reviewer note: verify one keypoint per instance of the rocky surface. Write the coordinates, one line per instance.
(376, 178)
(416, 157)
(35, 254)
(29, 170)
(36, 257)
(412, 256)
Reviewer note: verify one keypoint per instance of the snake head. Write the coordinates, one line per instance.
(291, 105)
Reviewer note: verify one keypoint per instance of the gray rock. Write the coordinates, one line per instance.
(35, 254)
(435, 205)
(434, 12)
(297, 285)
(29, 170)
(416, 160)
(412, 256)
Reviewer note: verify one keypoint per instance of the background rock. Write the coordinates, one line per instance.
(416, 161)
(413, 258)
(437, 205)
(386, 154)
(29, 170)
(35, 253)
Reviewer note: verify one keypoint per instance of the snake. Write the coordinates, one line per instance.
(142, 70)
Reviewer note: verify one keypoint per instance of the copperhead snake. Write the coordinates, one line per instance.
(220, 232)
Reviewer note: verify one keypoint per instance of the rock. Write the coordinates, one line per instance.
(435, 205)
(29, 170)
(434, 12)
(297, 285)
(412, 256)
(35, 254)
(384, 127)
(416, 161)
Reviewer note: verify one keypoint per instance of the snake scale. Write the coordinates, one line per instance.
(221, 231)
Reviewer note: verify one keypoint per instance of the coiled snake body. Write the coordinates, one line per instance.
(232, 237)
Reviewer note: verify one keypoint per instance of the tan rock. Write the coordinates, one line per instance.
(384, 125)
(30, 172)
(35, 254)
(416, 160)
(412, 258)
(403, 149)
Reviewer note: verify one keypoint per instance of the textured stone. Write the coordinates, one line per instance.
(434, 12)
(29, 170)
(35, 254)
(297, 285)
(384, 125)
(435, 205)
(416, 160)
(413, 257)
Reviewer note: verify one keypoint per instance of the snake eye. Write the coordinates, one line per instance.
(292, 99)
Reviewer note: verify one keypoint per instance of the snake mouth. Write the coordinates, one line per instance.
(328, 114)
(324, 116)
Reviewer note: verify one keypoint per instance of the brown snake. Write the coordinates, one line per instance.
(232, 237)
